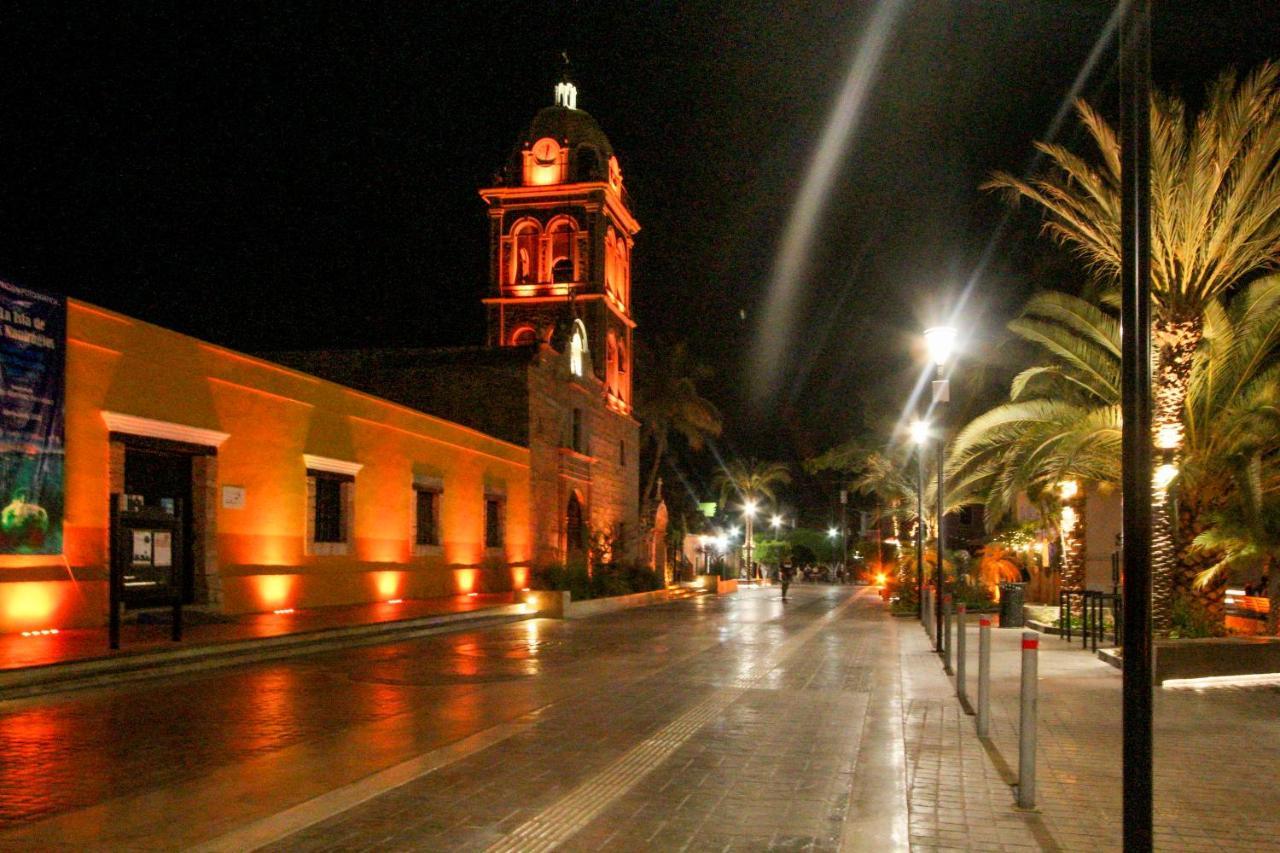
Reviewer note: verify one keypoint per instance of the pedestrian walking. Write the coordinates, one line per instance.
(784, 577)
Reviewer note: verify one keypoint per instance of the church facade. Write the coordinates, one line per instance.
(555, 371)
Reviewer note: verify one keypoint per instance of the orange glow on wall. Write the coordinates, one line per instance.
(275, 591)
(519, 577)
(388, 584)
(466, 579)
(29, 605)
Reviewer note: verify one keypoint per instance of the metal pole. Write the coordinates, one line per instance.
(984, 676)
(1135, 318)
(946, 633)
(939, 397)
(960, 651)
(1027, 722)
(920, 531)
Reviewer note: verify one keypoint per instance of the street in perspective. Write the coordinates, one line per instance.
(641, 427)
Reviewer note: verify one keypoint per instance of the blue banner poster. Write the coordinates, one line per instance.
(32, 380)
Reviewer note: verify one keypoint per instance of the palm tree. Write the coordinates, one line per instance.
(1061, 426)
(1233, 413)
(1215, 199)
(668, 402)
(884, 476)
(751, 479)
(1063, 421)
(1245, 534)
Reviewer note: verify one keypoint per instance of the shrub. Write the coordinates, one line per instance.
(1192, 620)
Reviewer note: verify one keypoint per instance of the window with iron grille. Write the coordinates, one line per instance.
(330, 514)
(493, 522)
(428, 509)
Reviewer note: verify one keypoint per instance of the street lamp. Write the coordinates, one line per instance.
(941, 342)
(919, 435)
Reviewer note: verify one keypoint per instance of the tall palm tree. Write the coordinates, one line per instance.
(668, 402)
(1215, 196)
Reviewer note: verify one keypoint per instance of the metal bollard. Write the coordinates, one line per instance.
(928, 614)
(946, 634)
(984, 676)
(960, 644)
(1027, 724)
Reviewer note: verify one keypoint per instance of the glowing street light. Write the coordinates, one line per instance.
(919, 432)
(941, 343)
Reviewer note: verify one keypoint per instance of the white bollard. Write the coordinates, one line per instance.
(960, 643)
(946, 634)
(1027, 724)
(984, 676)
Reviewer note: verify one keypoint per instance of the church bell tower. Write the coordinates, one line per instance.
(560, 238)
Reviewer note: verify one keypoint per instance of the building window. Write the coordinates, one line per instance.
(575, 353)
(427, 515)
(576, 437)
(493, 522)
(330, 518)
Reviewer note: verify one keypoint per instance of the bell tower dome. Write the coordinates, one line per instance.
(561, 233)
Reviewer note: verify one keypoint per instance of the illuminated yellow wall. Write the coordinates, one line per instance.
(273, 416)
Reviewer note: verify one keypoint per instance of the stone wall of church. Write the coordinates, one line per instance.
(604, 471)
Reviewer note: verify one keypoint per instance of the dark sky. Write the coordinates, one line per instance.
(286, 174)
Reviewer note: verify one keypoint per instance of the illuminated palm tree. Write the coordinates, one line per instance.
(1061, 426)
(1215, 205)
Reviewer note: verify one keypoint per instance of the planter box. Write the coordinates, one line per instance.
(726, 586)
(597, 606)
(553, 604)
(559, 604)
(1216, 656)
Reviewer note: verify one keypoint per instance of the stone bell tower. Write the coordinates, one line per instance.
(560, 238)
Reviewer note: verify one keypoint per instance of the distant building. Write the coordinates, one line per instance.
(555, 373)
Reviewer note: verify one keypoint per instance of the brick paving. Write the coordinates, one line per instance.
(1217, 770)
(731, 723)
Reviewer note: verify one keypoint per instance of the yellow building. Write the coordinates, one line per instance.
(285, 490)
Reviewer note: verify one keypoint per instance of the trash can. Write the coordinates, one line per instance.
(1012, 596)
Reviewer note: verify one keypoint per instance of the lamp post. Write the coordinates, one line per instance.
(919, 435)
(832, 533)
(1135, 407)
(941, 341)
(749, 516)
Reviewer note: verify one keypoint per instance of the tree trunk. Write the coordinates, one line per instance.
(1074, 555)
(1176, 341)
(1193, 519)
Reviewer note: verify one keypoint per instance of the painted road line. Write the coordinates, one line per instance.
(561, 820)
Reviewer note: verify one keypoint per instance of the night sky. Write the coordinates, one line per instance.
(289, 175)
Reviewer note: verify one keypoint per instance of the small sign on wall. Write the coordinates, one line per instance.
(233, 497)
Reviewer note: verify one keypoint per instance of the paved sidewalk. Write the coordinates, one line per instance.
(1217, 784)
(81, 644)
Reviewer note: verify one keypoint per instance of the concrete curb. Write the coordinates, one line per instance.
(101, 672)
